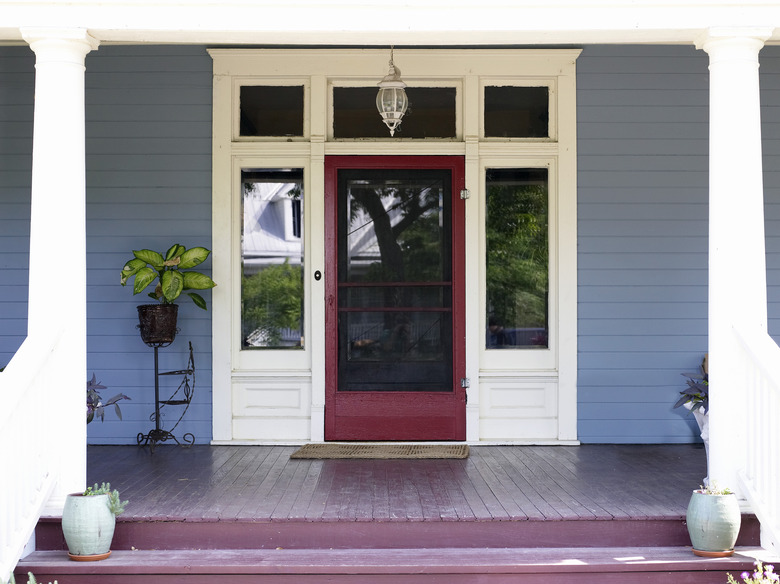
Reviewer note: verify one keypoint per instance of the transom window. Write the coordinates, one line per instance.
(431, 113)
(271, 110)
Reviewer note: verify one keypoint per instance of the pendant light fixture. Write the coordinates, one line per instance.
(391, 101)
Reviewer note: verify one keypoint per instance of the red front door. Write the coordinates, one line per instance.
(394, 298)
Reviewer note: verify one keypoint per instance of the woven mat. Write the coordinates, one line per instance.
(382, 451)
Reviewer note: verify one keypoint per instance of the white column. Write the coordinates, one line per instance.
(737, 266)
(58, 275)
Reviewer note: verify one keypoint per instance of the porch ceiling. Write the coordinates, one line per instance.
(380, 22)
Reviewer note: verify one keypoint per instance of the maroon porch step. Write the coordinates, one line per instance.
(172, 535)
(624, 565)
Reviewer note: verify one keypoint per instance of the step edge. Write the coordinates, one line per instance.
(391, 561)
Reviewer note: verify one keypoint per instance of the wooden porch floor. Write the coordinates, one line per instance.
(247, 514)
(496, 483)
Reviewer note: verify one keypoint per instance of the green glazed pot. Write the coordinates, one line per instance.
(88, 526)
(713, 523)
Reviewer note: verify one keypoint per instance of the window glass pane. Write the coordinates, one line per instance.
(517, 112)
(268, 110)
(272, 259)
(517, 258)
(395, 288)
(431, 113)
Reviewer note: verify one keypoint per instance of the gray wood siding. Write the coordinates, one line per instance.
(17, 87)
(148, 114)
(642, 125)
(148, 186)
(642, 220)
(642, 215)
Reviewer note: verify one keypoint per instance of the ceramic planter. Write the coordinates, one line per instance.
(713, 523)
(703, 421)
(88, 526)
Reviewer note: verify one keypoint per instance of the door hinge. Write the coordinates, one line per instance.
(464, 382)
(465, 194)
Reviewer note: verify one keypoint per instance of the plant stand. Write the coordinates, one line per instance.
(181, 397)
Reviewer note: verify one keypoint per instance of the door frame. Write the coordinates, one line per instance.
(280, 397)
(427, 403)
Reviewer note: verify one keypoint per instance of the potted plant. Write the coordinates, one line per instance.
(696, 399)
(713, 519)
(172, 275)
(96, 405)
(88, 522)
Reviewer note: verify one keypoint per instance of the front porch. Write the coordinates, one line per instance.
(592, 513)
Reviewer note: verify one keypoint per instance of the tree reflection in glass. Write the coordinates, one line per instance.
(517, 263)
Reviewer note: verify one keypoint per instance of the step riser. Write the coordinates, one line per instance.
(384, 535)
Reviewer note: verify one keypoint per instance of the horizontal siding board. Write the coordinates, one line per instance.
(598, 383)
(636, 294)
(171, 163)
(619, 114)
(650, 211)
(628, 342)
(184, 130)
(639, 326)
(618, 260)
(640, 147)
(645, 162)
(650, 245)
(620, 310)
(611, 97)
(645, 195)
(661, 130)
(628, 228)
(139, 112)
(640, 81)
(111, 147)
(661, 179)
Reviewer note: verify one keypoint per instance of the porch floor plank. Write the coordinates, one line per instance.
(496, 483)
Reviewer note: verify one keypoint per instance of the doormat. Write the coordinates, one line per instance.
(382, 451)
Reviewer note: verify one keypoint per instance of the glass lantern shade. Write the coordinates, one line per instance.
(392, 103)
(391, 100)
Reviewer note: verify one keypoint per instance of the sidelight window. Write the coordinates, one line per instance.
(272, 259)
(517, 262)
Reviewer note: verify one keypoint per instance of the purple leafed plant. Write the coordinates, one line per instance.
(96, 405)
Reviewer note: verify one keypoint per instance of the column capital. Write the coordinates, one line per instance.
(731, 36)
(76, 40)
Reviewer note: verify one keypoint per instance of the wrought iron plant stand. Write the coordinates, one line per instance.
(181, 397)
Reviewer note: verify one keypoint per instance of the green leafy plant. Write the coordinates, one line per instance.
(115, 504)
(96, 405)
(763, 574)
(171, 272)
(713, 489)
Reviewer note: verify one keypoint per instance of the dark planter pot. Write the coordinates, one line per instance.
(157, 323)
